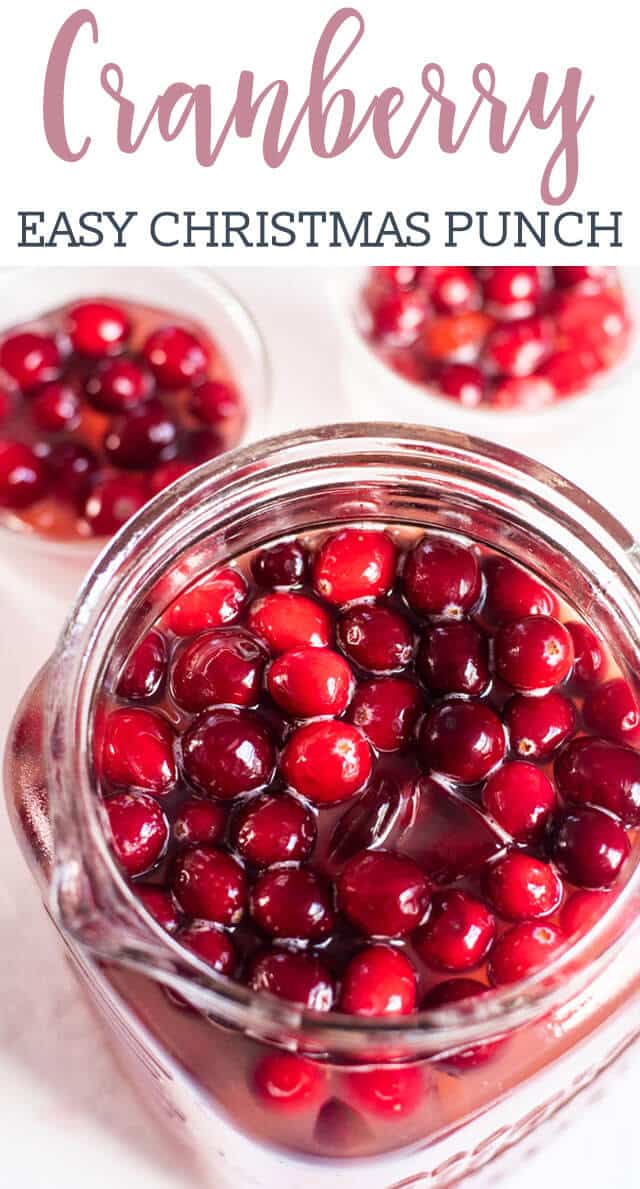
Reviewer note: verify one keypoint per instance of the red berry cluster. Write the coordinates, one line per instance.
(505, 338)
(102, 405)
(355, 770)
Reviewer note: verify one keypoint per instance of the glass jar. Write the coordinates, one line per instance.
(438, 1094)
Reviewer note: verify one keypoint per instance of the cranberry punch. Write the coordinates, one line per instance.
(331, 789)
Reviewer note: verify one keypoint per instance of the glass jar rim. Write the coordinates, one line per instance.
(135, 939)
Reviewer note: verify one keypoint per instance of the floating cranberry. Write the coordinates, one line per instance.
(569, 372)
(298, 978)
(23, 475)
(98, 328)
(533, 654)
(176, 357)
(513, 594)
(456, 337)
(119, 385)
(458, 933)
(214, 602)
(523, 950)
(396, 276)
(293, 903)
(611, 710)
(378, 639)
(539, 726)
(522, 888)
(383, 894)
(389, 1091)
(386, 711)
(210, 885)
(596, 322)
(462, 382)
(453, 658)
(227, 752)
(397, 315)
(461, 739)
(274, 828)
(368, 822)
(286, 1083)
(595, 772)
(327, 762)
(159, 904)
(30, 359)
(280, 566)
(113, 502)
(379, 981)
(521, 799)
(453, 290)
(441, 578)
(568, 277)
(309, 682)
(199, 821)
(354, 564)
(583, 910)
(589, 656)
(143, 439)
(201, 445)
(458, 990)
(55, 407)
(590, 848)
(286, 620)
(223, 666)
(138, 829)
(524, 393)
(72, 468)
(512, 291)
(138, 751)
(516, 348)
(211, 945)
(145, 670)
(214, 402)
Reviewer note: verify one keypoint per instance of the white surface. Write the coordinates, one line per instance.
(68, 1119)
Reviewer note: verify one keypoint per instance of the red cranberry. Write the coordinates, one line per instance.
(6, 403)
(522, 888)
(454, 289)
(72, 468)
(138, 751)
(55, 407)
(354, 564)
(159, 904)
(458, 933)
(145, 438)
(589, 656)
(210, 885)
(457, 990)
(326, 761)
(462, 740)
(214, 402)
(211, 945)
(516, 348)
(396, 276)
(453, 658)
(522, 950)
(583, 910)
(368, 822)
(98, 328)
(386, 711)
(30, 359)
(594, 772)
(113, 502)
(287, 1083)
(145, 670)
(456, 337)
(524, 393)
(567, 277)
(534, 653)
(308, 682)
(462, 382)
(214, 602)
(283, 565)
(397, 315)
(383, 894)
(389, 1091)
(223, 666)
(294, 903)
(23, 475)
(514, 291)
(227, 752)
(441, 578)
(176, 357)
(376, 638)
(569, 372)
(119, 385)
(200, 445)
(139, 831)
(539, 726)
(590, 848)
(379, 981)
(274, 828)
(298, 978)
(611, 710)
(168, 473)
(198, 822)
(596, 322)
(289, 621)
(521, 800)
(512, 593)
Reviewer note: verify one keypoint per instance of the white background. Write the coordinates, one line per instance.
(68, 1120)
